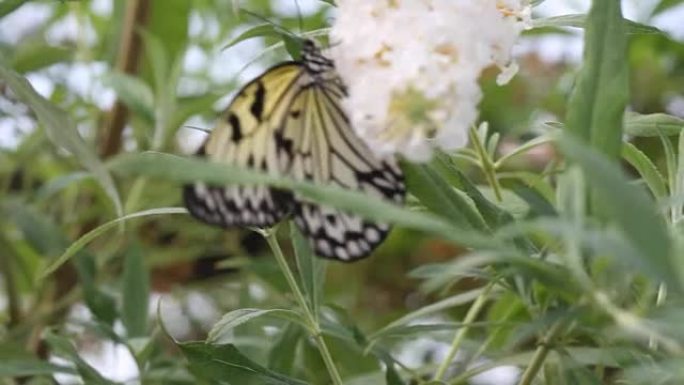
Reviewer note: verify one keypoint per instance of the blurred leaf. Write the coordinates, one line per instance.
(47, 238)
(665, 5)
(59, 183)
(133, 92)
(7, 6)
(188, 170)
(311, 270)
(629, 208)
(135, 291)
(260, 30)
(580, 21)
(282, 356)
(62, 131)
(225, 362)
(171, 25)
(31, 367)
(653, 125)
(222, 330)
(597, 105)
(89, 236)
(36, 55)
(646, 168)
(441, 198)
(64, 348)
(456, 300)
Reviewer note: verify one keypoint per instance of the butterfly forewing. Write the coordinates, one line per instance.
(245, 137)
(290, 122)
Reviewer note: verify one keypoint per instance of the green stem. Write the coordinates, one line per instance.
(270, 235)
(473, 312)
(14, 309)
(487, 165)
(540, 354)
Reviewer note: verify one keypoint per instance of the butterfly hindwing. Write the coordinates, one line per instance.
(327, 151)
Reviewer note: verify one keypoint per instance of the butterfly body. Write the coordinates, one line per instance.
(290, 122)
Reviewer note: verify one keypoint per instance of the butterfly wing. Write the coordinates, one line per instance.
(246, 136)
(326, 150)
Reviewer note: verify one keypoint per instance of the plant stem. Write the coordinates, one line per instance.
(473, 312)
(270, 235)
(14, 309)
(540, 354)
(487, 165)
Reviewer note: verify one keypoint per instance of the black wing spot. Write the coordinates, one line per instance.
(257, 107)
(235, 125)
(295, 114)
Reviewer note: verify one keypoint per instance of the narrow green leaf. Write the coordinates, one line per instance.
(453, 301)
(628, 208)
(653, 125)
(89, 236)
(61, 346)
(189, 170)
(62, 132)
(222, 331)
(282, 356)
(648, 171)
(580, 21)
(311, 270)
(440, 197)
(135, 291)
(8, 6)
(255, 31)
(219, 363)
(31, 367)
(666, 5)
(597, 105)
(133, 92)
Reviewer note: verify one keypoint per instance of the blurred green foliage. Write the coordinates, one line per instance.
(530, 248)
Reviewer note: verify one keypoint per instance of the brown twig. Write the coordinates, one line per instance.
(128, 58)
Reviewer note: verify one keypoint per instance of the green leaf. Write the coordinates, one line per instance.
(222, 363)
(8, 6)
(189, 170)
(134, 93)
(31, 367)
(653, 125)
(92, 234)
(665, 5)
(453, 301)
(311, 270)
(62, 132)
(597, 104)
(260, 30)
(48, 240)
(36, 55)
(441, 198)
(61, 346)
(628, 208)
(135, 291)
(223, 329)
(282, 356)
(581, 21)
(648, 171)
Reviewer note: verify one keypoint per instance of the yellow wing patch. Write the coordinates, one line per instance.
(290, 121)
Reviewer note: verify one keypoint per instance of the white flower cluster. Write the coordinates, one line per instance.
(412, 67)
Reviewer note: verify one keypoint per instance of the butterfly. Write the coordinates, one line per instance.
(290, 121)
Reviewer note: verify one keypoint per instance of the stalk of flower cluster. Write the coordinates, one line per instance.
(317, 334)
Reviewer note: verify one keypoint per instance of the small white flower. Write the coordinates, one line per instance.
(412, 67)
